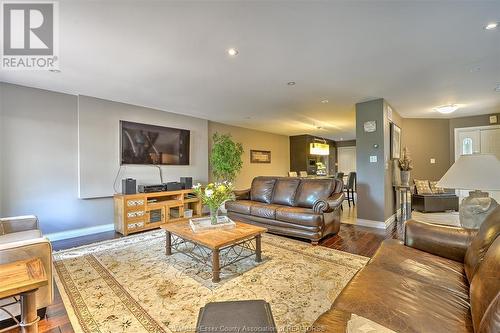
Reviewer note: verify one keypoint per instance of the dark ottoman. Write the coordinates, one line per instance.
(236, 316)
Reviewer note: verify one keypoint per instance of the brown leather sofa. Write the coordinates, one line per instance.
(441, 279)
(305, 208)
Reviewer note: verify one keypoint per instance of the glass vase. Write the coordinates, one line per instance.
(214, 213)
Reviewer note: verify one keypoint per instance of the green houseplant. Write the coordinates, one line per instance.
(225, 158)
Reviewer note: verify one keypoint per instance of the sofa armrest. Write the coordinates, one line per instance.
(330, 204)
(242, 194)
(10, 225)
(444, 241)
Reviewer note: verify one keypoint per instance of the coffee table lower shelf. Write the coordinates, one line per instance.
(216, 258)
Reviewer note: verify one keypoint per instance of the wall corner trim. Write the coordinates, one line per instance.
(79, 232)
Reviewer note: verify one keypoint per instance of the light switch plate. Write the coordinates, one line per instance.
(493, 119)
(433, 161)
(373, 159)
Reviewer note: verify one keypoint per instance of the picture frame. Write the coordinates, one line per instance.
(395, 141)
(260, 156)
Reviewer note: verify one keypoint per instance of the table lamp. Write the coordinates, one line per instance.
(479, 173)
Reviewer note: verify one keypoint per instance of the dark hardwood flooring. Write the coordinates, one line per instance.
(353, 239)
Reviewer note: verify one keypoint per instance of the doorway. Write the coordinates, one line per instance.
(483, 139)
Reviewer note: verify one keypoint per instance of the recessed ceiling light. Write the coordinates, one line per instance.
(291, 83)
(232, 52)
(324, 101)
(491, 26)
(447, 108)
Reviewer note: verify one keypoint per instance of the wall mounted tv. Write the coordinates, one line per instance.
(150, 144)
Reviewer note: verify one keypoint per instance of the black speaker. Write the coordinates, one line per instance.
(187, 182)
(129, 186)
(173, 186)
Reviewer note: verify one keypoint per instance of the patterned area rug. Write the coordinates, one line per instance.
(130, 285)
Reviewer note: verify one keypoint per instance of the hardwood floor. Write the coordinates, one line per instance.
(353, 239)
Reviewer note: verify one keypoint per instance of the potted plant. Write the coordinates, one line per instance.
(213, 196)
(405, 165)
(225, 158)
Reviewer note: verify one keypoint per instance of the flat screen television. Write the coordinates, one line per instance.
(151, 144)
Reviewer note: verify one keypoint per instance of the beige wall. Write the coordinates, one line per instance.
(279, 146)
(426, 139)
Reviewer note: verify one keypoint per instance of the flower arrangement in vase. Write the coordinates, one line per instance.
(213, 195)
(405, 165)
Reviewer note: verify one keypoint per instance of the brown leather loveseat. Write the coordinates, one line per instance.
(305, 208)
(441, 279)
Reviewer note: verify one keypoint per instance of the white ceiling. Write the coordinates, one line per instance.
(171, 56)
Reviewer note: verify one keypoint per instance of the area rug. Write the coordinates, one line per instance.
(130, 285)
(445, 218)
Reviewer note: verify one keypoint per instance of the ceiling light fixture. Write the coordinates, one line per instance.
(232, 52)
(324, 101)
(291, 83)
(447, 108)
(491, 26)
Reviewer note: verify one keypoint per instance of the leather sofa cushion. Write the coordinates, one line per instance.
(262, 189)
(427, 268)
(299, 215)
(284, 191)
(404, 304)
(267, 211)
(20, 236)
(239, 206)
(485, 285)
(486, 235)
(311, 190)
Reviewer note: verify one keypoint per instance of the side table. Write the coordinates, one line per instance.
(405, 203)
(23, 278)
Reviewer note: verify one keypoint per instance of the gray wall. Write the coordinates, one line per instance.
(1, 149)
(376, 198)
(99, 146)
(370, 176)
(39, 174)
(426, 139)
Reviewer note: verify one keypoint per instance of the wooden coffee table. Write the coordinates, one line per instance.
(240, 242)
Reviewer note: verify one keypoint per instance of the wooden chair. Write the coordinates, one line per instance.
(350, 188)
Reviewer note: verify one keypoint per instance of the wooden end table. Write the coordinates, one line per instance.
(23, 278)
(208, 245)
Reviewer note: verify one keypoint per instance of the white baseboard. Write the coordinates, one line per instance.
(372, 223)
(79, 232)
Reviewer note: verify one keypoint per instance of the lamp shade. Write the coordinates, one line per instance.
(473, 172)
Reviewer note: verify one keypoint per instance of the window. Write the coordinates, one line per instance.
(467, 146)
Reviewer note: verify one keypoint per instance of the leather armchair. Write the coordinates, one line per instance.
(444, 241)
(20, 238)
